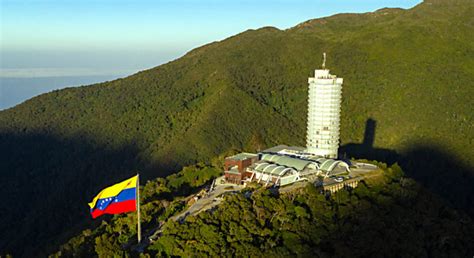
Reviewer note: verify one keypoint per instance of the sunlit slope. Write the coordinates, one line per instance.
(411, 71)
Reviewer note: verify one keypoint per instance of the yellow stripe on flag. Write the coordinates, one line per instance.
(114, 190)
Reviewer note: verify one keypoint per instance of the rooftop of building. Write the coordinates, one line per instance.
(242, 156)
(273, 169)
(233, 170)
(331, 166)
(298, 164)
(281, 148)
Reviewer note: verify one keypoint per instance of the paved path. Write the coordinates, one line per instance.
(207, 202)
(363, 168)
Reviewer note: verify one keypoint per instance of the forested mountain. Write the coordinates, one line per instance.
(410, 71)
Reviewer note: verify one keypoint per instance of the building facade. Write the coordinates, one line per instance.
(235, 167)
(274, 167)
(324, 108)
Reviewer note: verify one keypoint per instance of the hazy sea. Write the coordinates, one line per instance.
(14, 91)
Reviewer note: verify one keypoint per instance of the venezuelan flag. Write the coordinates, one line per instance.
(115, 199)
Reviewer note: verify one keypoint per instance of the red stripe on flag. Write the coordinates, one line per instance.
(115, 208)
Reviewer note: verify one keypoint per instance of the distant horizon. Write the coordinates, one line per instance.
(109, 37)
(60, 72)
(14, 91)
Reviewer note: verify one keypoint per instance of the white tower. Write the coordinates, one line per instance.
(324, 108)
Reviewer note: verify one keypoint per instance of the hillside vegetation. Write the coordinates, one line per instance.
(379, 218)
(409, 70)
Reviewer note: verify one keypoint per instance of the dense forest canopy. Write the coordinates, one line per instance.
(410, 71)
(385, 215)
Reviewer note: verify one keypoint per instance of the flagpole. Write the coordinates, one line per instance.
(139, 233)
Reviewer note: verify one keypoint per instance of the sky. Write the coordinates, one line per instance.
(42, 38)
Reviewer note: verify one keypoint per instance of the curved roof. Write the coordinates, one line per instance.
(260, 166)
(330, 164)
(269, 168)
(272, 169)
(298, 164)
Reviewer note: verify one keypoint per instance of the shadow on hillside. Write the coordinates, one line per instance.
(366, 150)
(430, 165)
(47, 182)
(409, 225)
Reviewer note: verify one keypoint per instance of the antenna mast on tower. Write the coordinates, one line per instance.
(324, 60)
